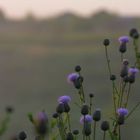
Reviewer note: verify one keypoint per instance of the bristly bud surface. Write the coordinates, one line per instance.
(87, 129)
(134, 33)
(105, 125)
(60, 108)
(91, 95)
(113, 77)
(97, 115)
(85, 110)
(106, 42)
(22, 135)
(69, 136)
(75, 132)
(77, 68)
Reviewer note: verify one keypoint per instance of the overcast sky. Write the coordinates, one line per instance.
(43, 8)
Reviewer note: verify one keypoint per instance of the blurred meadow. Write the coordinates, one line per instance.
(37, 55)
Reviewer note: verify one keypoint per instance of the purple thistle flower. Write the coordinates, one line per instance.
(64, 99)
(72, 77)
(42, 117)
(124, 39)
(133, 70)
(88, 119)
(122, 111)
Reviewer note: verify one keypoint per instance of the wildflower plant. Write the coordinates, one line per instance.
(60, 126)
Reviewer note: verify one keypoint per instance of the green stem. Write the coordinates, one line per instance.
(133, 109)
(121, 57)
(61, 128)
(119, 132)
(128, 95)
(114, 98)
(88, 137)
(90, 106)
(108, 60)
(94, 131)
(136, 53)
(84, 129)
(68, 116)
(122, 93)
(104, 135)
(82, 91)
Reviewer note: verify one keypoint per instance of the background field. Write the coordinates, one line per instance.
(36, 57)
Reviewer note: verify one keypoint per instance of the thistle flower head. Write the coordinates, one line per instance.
(72, 77)
(86, 119)
(133, 70)
(42, 117)
(124, 39)
(64, 99)
(122, 112)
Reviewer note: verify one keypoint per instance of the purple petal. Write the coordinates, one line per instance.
(124, 39)
(64, 99)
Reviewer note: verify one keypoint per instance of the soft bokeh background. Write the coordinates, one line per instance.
(41, 41)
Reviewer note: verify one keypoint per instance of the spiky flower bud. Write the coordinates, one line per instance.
(131, 79)
(126, 79)
(124, 71)
(97, 115)
(105, 125)
(9, 109)
(77, 84)
(66, 107)
(123, 40)
(87, 129)
(134, 33)
(69, 136)
(60, 108)
(55, 115)
(22, 135)
(91, 95)
(113, 77)
(106, 42)
(121, 119)
(84, 110)
(77, 68)
(75, 132)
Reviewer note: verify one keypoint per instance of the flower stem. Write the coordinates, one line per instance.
(119, 132)
(128, 95)
(136, 53)
(104, 135)
(90, 106)
(122, 93)
(114, 98)
(68, 116)
(84, 129)
(94, 131)
(108, 60)
(134, 108)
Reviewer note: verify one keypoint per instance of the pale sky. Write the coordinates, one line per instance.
(45, 8)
